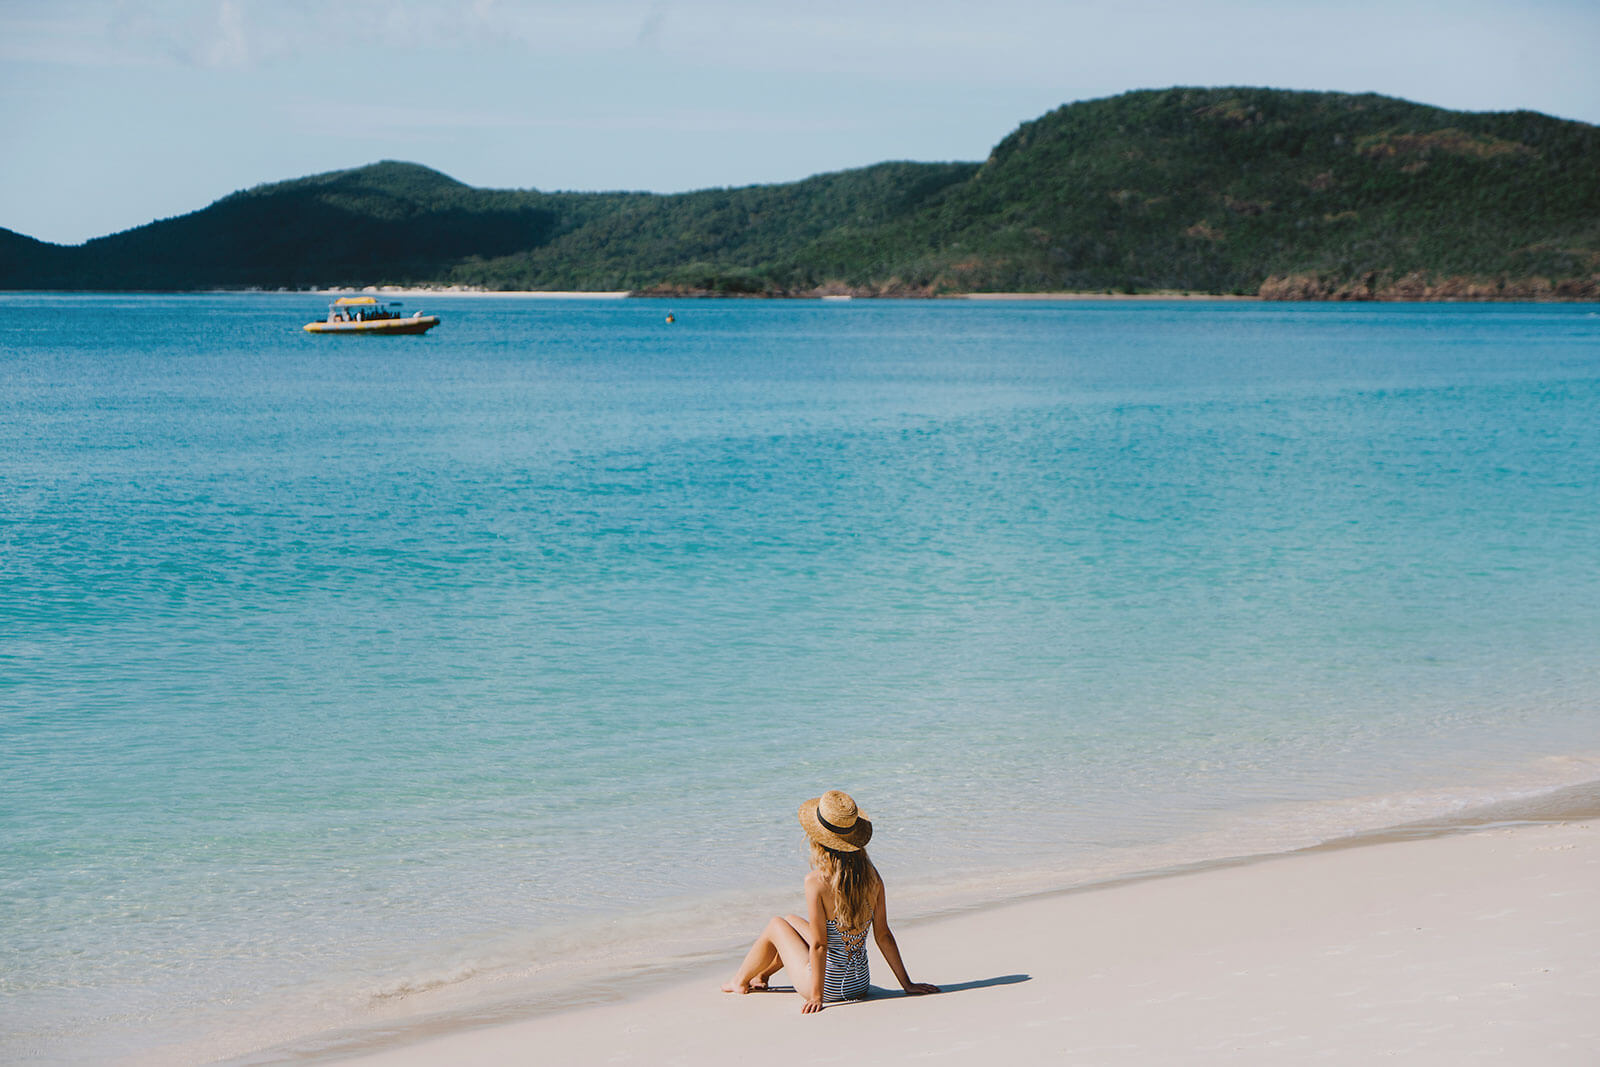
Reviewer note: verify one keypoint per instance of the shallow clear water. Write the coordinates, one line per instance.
(343, 676)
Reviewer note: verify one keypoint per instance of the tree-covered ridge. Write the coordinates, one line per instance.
(1203, 190)
(733, 240)
(1224, 189)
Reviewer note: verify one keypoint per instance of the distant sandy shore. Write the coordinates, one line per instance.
(456, 290)
(620, 294)
(1106, 296)
(1478, 946)
(623, 293)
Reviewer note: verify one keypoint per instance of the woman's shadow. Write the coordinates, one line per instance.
(876, 993)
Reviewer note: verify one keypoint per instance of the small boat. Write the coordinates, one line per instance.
(364, 314)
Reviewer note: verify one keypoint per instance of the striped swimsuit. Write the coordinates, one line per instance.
(846, 976)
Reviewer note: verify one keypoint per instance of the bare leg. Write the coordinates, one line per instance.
(774, 965)
(780, 945)
(770, 966)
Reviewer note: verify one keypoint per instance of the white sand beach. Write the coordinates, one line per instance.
(424, 291)
(1481, 946)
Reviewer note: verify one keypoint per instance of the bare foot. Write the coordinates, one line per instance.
(736, 986)
(758, 985)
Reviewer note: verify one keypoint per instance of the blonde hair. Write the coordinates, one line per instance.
(854, 881)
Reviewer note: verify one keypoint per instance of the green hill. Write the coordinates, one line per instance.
(1220, 190)
(1288, 194)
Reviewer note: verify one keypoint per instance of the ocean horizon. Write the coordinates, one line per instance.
(349, 684)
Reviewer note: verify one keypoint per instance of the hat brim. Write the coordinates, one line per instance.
(853, 840)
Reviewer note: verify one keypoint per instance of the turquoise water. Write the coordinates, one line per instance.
(345, 681)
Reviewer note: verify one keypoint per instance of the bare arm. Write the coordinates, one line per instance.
(891, 950)
(818, 918)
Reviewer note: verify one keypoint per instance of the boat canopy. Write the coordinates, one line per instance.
(353, 301)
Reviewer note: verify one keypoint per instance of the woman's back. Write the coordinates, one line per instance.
(847, 976)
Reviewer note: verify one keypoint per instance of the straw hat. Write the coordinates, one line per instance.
(833, 821)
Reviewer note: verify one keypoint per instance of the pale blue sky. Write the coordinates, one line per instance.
(119, 112)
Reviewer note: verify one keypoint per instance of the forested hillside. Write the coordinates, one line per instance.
(1287, 194)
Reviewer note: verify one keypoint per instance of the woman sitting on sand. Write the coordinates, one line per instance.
(826, 952)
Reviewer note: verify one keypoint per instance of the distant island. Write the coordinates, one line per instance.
(1234, 191)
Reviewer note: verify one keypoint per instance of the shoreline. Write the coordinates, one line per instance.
(1115, 297)
(628, 294)
(481, 1035)
(1428, 943)
(1163, 296)
(822, 296)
